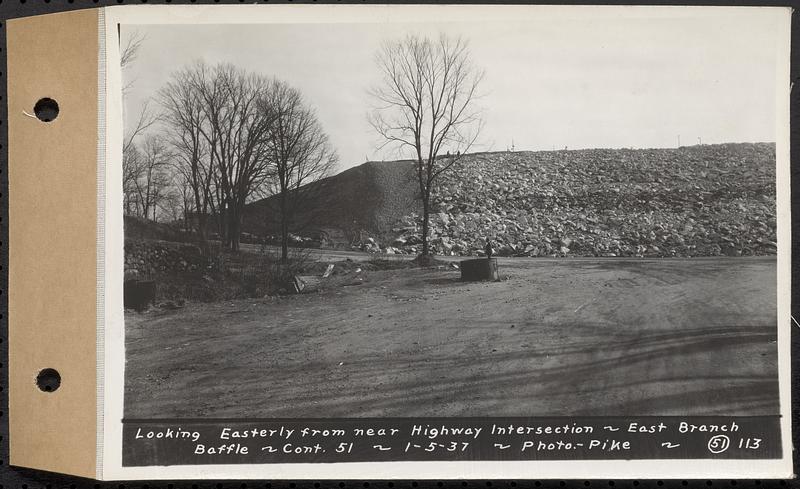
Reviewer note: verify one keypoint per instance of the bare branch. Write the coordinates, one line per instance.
(129, 53)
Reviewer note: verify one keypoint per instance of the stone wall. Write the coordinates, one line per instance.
(145, 259)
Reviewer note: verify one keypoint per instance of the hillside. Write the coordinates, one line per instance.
(368, 200)
(704, 200)
(140, 228)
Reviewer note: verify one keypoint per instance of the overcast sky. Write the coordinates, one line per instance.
(551, 82)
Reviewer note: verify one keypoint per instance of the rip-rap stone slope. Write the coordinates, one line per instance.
(706, 200)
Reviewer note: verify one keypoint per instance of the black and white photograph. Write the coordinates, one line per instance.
(537, 221)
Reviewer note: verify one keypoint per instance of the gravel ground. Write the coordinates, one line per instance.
(556, 337)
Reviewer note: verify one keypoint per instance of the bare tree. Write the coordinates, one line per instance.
(299, 152)
(184, 118)
(132, 169)
(219, 126)
(146, 178)
(131, 156)
(238, 123)
(153, 180)
(426, 103)
(236, 136)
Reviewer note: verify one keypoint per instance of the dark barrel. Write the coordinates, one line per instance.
(479, 269)
(139, 294)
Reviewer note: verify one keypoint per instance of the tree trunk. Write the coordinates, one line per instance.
(233, 228)
(202, 231)
(202, 222)
(284, 243)
(284, 229)
(425, 221)
(222, 226)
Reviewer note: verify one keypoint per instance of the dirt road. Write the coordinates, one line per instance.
(558, 337)
(330, 254)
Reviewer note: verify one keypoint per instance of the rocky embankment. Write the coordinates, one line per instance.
(146, 258)
(707, 200)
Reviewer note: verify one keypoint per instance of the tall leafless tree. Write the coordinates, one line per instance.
(132, 169)
(237, 136)
(427, 103)
(299, 153)
(184, 117)
(132, 157)
(238, 124)
(220, 125)
(146, 179)
(153, 183)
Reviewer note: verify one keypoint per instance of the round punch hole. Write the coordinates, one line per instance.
(46, 109)
(48, 380)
